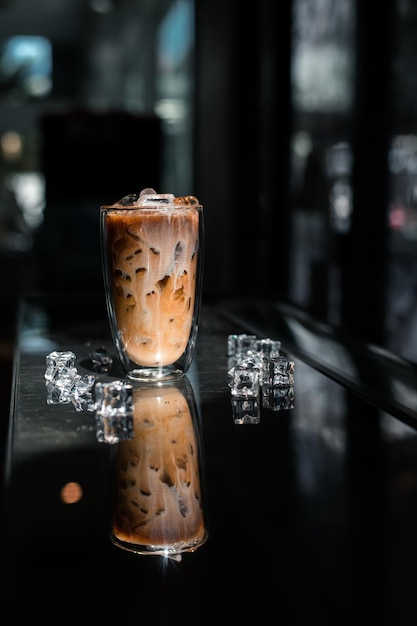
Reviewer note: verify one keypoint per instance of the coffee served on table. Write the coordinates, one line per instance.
(152, 262)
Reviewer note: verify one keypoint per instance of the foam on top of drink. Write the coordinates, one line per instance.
(150, 198)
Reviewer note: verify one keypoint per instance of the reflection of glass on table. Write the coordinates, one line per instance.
(157, 500)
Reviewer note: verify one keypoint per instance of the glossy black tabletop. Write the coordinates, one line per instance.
(311, 513)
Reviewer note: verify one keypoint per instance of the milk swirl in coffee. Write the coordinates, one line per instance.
(153, 246)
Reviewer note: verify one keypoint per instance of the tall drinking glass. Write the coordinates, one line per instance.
(152, 253)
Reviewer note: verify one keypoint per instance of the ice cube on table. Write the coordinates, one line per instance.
(56, 394)
(244, 382)
(240, 345)
(267, 347)
(278, 372)
(57, 361)
(82, 393)
(59, 389)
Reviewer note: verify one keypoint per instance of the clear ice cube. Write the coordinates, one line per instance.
(128, 200)
(114, 411)
(156, 199)
(57, 395)
(245, 411)
(82, 393)
(239, 345)
(56, 361)
(245, 382)
(65, 378)
(250, 362)
(278, 372)
(267, 347)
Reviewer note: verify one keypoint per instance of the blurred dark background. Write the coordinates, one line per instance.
(294, 122)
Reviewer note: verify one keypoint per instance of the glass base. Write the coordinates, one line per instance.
(155, 374)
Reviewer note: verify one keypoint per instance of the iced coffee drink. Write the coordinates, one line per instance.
(157, 505)
(152, 246)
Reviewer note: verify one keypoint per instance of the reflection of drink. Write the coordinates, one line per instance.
(152, 248)
(157, 506)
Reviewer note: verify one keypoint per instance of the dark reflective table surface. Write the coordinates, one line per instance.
(372, 372)
(311, 513)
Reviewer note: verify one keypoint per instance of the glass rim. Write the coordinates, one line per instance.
(120, 207)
